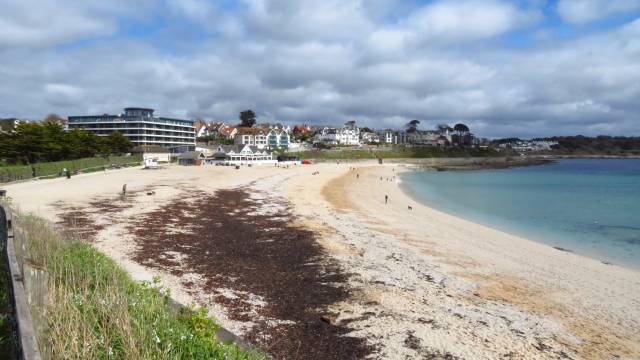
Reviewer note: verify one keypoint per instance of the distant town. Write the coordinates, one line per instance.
(200, 141)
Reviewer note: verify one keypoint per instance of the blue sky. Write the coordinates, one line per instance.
(520, 68)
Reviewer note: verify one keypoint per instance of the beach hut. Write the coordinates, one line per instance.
(191, 158)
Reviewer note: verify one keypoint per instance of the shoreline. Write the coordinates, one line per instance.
(613, 262)
(420, 283)
(529, 268)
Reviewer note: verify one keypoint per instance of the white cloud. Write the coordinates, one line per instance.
(324, 63)
(447, 20)
(584, 11)
(42, 23)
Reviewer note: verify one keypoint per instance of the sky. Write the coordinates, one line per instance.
(524, 68)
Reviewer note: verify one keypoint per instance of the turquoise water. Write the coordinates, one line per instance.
(590, 206)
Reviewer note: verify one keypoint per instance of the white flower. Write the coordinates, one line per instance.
(110, 351)
(157, 339)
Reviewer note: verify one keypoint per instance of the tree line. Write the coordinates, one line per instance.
(46, 141)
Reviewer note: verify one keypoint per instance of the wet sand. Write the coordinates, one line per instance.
(317, 266)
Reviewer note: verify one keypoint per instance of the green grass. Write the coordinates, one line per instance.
(97, 311)
(396, 153)
(54, 169)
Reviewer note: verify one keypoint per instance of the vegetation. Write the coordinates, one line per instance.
(7, 343)
(247, 118)
(607, 145)
(53, 169)
(397, 152)
(47, 141)
(412, 126)
(215, 139)
(97, 311)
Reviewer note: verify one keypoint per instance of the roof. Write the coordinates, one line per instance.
(149, 149)
(191, 155)
(138, 108)
(252, 131)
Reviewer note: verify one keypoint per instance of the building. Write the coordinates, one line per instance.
(368, 137)
(345, 136)
(242, 155)
(278, 139)
(263, 138)
(141, 127)
(228, 132)
(155, 152)
(252, 136)
(196, 158)
(385, 136)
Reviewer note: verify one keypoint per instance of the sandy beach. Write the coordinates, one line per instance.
(318, 266)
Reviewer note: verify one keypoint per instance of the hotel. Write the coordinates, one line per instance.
(142, 128)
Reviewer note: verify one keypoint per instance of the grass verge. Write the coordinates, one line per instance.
(97, 311)
(54, 169)
(397, 152)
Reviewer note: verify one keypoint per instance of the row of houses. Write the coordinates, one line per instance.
(351, 135)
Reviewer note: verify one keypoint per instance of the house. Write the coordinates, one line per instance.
(301, 129)
(252, 136)
(153, 152)
(241, 155)
(368, 137)
(192, 158)
(227, 131)
(278, 139)
(385, 136)
(348, 135)
(201, 128)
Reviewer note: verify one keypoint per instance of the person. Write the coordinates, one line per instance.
(124, 190)
(386, 198)
(358, 176)
(68, 174)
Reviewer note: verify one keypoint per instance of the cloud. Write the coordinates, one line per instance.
(469, 19)
(379, 62)
(584, 11)
(41, 23)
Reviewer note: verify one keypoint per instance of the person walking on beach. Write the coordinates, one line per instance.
(386, 198)
(124, 190)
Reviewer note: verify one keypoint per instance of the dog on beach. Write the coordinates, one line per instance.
(409, 207)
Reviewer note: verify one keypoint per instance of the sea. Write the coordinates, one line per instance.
(587, 206)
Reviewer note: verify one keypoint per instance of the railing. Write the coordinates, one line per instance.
(28, 287)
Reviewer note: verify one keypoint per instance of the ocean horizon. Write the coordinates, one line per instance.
(588, 206)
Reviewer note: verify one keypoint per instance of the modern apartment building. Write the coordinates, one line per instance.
(141, 127)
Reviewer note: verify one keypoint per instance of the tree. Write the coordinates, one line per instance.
(462, 133)
(116, 143)
(412, 126)
(461, 129)
(53, 118)
(247, 118)
(351, 124)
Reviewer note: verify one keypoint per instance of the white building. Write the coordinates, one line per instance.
(252, 136)
(385, 136)
(263, 138)
(346, 136)
(241, 155)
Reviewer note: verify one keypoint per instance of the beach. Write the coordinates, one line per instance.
(311, 265)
